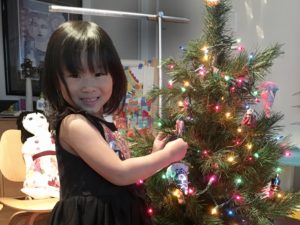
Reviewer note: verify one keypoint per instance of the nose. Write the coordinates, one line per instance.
(88, 84)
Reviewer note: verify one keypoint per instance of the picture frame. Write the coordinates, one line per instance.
(27, 26)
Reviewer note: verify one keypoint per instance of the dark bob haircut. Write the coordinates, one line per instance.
(64, 51)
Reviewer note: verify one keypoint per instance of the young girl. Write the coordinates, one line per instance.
(84, 80)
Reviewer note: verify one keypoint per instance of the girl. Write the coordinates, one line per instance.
(84, 80)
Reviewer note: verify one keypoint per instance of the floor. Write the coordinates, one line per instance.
(287, 221)
(6, 213)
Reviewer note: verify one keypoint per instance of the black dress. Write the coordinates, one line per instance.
(86, 198)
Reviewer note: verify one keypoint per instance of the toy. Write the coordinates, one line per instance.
(39, 153)
(249, 119)
(178, 173)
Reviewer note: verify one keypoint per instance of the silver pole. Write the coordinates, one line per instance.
(113, 13)
(160, 15)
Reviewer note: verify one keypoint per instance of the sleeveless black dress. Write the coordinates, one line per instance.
(86, 198)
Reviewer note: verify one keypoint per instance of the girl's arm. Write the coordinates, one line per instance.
(79, 137)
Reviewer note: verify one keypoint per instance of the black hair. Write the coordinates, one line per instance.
(64, 52)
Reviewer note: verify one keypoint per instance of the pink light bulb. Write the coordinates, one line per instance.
(150, 211)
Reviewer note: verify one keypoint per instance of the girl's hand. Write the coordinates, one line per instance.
(160, 142)
(177, 149)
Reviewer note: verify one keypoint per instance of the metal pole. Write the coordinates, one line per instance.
(160, 15)
(113, 13)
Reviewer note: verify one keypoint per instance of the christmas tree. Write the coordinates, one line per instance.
(231, 173)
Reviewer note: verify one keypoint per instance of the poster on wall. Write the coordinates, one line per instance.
(36, 26)
(139, 109)
(27, 26)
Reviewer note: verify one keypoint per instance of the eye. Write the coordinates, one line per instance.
(99, 74)
(73, 75)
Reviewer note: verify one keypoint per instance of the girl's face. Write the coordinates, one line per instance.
(88, 91)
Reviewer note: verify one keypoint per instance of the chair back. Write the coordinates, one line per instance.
(12, 164)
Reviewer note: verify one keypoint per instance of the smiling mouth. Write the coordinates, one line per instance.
(89, 101)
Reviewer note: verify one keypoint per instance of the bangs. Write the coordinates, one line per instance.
(80, 55)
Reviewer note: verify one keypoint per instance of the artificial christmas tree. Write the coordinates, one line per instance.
(231, 173)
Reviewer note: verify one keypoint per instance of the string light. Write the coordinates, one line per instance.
(251, 56)
(237, 198)
(191, 191)
(159, 124)
(238, 181)
(217, 108)
(214, 211)
(250, 158)
(249, 146)
(150, 211)
(278, 170)
(212, 179)
(171, 66)
(230, 159)
(205, 50)
(140, 182)
(201, 70)
(180, 104)
(212, 3)
(279, 195)
(232, 89)
(177, 193)
(237, 141)
(230, 212)
(186, 83)
(170, 84)
(287, 153)
(228, 115)
(255, 93)
(240, 81)
(238, 48)
(227, 78)
(205, 153)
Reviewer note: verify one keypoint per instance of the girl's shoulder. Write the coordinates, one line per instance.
(81, 119)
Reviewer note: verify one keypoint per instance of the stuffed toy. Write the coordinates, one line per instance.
(39, 153)
(249, 119)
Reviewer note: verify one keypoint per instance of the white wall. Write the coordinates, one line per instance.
(261, 23)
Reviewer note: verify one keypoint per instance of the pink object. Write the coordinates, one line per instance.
(179, 127)
(249, 119)
(268, 91)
